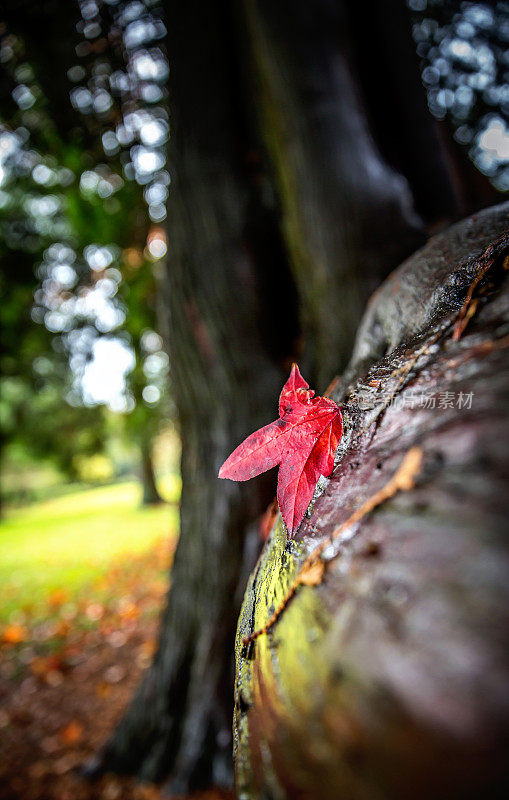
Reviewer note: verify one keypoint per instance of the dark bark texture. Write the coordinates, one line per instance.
(390, 679)
(287, 209)
(180, 721)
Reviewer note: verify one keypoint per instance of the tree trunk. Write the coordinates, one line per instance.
(150, 494)
(54, 54)
(225, 379)
(284, 208)
(389, 679)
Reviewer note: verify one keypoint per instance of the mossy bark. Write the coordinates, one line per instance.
(390, 679)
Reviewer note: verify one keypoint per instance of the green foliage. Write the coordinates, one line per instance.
(463, 52)
(61, 202)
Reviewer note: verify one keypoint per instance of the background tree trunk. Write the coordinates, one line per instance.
(225, 381)
(150, 494)
(390, 679)
(285, 207)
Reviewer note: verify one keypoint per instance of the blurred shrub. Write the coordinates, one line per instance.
(94, 469)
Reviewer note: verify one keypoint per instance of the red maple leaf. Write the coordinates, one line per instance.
(302, 441)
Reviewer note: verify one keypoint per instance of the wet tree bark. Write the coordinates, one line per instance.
(390, 678)
(285, 212)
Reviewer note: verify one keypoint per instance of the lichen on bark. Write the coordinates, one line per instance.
(390, 678)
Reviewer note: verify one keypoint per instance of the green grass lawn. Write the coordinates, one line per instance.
(69, 542)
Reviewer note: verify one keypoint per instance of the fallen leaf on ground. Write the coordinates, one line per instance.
(72, 732)
(14, 634)
(58, 597)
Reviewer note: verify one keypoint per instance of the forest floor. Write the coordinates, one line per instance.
(77, 628)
